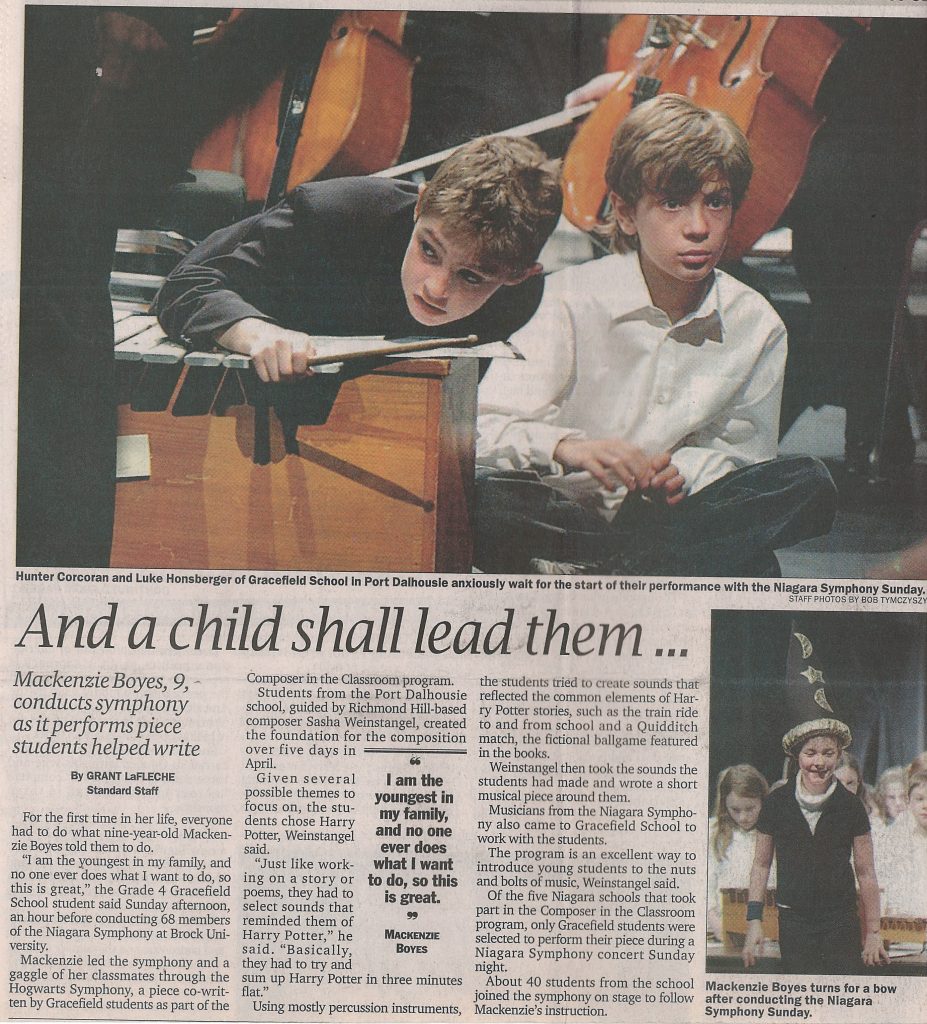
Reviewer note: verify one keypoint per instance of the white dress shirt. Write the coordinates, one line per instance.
(901, 866)
(732, 871)
(601, 361)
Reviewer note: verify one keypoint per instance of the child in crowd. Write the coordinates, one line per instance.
(813, 825)
(889, 798)
(732, 836)
(640, 433)
(374, 256)
(850, 774)
(903, 853)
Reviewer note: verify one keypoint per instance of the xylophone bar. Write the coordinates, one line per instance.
(904, 929)
(139, 338)
(128, 306)
(129, 326)
(150, 346)
(211, 359)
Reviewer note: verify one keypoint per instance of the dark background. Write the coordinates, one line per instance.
(875, 671)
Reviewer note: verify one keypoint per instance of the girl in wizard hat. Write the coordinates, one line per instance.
(813, 825)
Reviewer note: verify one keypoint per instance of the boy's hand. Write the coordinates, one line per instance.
(667, 483)
(610, 460)
(277, 354)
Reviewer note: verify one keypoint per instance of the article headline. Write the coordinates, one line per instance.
(395, 629)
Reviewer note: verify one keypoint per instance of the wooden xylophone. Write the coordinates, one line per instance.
(910, 930)
(383, 482)
(139, 337)
(734, 916)
(150, 366)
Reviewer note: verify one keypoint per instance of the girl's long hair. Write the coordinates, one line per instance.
(742, 780)
(847, 760)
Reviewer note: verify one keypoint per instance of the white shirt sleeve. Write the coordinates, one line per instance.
(748, 430)
(901, 868)
(519, 400)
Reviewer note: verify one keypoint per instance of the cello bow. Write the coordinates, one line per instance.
(541, 124)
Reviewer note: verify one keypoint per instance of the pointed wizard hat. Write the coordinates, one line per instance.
(809, 706)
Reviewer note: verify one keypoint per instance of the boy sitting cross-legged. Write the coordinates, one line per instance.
(359, 256)
(640, 434)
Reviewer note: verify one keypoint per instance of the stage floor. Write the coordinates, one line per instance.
(874, 521)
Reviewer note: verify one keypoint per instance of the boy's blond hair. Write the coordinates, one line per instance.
(501, 194)
(672, 146)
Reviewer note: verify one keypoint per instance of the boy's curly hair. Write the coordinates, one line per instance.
(672, 146)
(500, 193)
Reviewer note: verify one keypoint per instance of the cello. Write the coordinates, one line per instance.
(355, 120)
(764, 72)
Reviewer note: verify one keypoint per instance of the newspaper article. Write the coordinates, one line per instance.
(301, 743)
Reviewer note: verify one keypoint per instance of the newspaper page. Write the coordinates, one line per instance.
(283, 754)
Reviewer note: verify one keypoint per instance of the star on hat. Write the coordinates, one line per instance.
(808, 699)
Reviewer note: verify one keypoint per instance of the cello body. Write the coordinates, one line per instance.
(763, 72)
(356, 119)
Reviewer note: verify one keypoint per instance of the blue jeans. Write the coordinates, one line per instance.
(729, 528)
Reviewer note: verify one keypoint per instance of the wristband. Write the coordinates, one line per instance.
(755, 910)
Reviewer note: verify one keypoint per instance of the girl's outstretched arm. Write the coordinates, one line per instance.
(759, 876)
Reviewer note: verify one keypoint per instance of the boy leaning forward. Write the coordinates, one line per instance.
(640, 433)
(357, 256)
